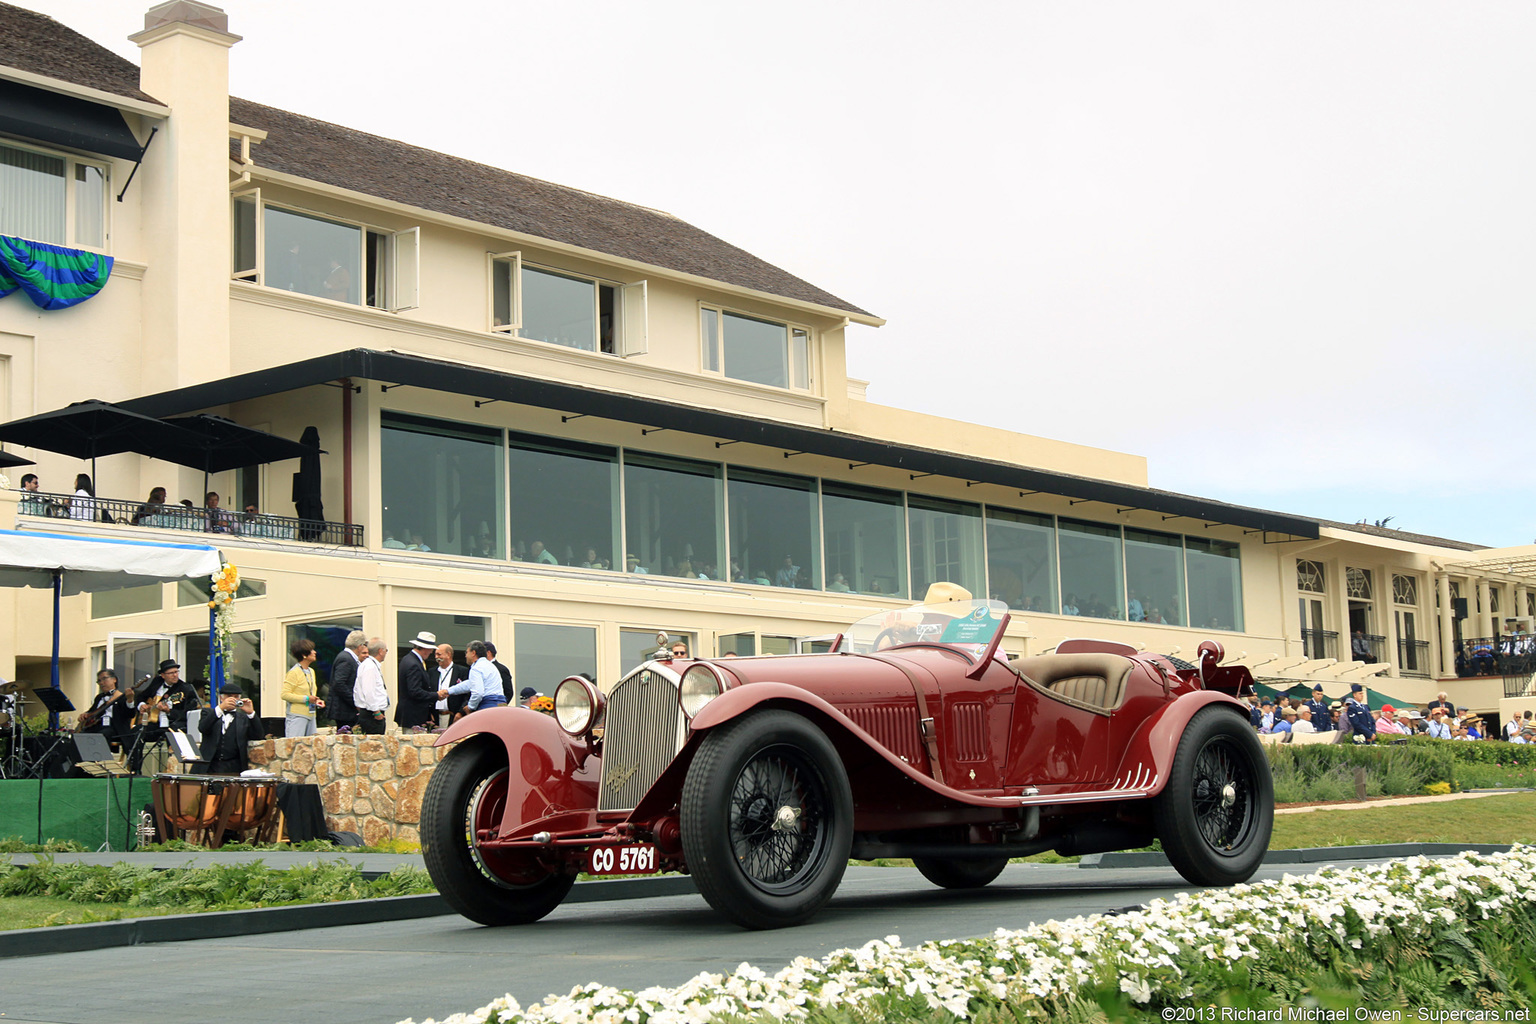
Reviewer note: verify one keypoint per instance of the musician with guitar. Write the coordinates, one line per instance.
(110, 712)
(163, 704)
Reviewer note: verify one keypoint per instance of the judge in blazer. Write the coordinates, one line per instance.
(343, 677)
(418, 697)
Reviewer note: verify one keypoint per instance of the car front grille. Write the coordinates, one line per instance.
(643, 731)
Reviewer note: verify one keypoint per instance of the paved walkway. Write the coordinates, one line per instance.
(1398, 801)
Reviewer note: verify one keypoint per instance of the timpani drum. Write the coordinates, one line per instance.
(213, 804)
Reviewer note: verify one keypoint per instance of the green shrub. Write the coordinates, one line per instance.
(1326, 771)
(1485, 752)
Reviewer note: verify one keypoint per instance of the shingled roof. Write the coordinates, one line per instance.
(37, 44)
(376, 166)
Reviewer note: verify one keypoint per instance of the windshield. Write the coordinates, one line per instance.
(968, 625)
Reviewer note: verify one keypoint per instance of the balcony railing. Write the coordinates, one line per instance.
(1413, 658)
(1320, 643)
(1368, 647)
(217, 521)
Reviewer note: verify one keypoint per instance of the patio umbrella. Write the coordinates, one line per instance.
(7, 461)
(224, 444)
(91, 428)
(306, 486)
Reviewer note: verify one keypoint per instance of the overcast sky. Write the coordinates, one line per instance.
(1284, 250)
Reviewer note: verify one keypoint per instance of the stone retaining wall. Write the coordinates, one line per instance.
(371, 785)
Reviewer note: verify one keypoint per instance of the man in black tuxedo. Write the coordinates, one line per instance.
(449, 674)
(504, 672)
(111, 710)
(163, 703)
(338, 702)
(418, 697)
(228, 731)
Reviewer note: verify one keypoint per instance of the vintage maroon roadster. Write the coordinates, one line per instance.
(913, 737)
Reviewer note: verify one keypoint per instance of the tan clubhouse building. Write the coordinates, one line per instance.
(564, 422)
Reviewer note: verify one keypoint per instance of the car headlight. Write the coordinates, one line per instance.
(701, 684)
(577, 703)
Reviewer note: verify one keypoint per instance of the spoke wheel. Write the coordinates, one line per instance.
(1215, 815)
(466, 795)
(767, 819)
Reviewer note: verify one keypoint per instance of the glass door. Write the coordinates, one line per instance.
(135, 657)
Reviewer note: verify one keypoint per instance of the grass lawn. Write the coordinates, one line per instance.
(1493, 819)
(35, 911)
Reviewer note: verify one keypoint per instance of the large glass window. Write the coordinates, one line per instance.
(329, 637)
(1021, 560)
(866, 544)
(193, 592)
(1091, 577)
(41, 193)
(946, 544)
(457, 630)
(242, 667)
(742, 645)
(546, 654)
(563, 310)
(127, 600)
(564, 502)
(672, 516)
(637, 645)
(1215, 583)
(753, 349)
(1154, 577)
(442, 486)
(312, 255)
(774, 529)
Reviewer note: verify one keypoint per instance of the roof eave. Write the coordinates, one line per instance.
(480, 227)
(111, 99)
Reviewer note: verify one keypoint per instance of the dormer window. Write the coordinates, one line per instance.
(561, 308)
(755, 349)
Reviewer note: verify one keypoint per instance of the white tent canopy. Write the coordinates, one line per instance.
(29, 559)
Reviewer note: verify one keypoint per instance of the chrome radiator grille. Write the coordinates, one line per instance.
(643, 731)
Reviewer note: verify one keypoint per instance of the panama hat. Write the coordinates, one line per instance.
(425, 640)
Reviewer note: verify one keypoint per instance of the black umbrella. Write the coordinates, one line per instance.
(88, 429)
(306, 486)
(7, 461)
(224, 444)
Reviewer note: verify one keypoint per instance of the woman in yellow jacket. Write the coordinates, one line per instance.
(300, 692)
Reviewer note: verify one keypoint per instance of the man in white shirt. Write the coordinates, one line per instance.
(484, 682)
(1303, 724)
(369, 692)
(1438, 730)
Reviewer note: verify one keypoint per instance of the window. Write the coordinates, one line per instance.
(564, 502)
(864, 531)
(672, 516)
(53, 199)
(194, 592)
(742, 645)
(775, 528)
(561, 308)
(127, 601)
(753, 349)
(1154, 577)
(946, 539)
(242, 667)
(303, 252)
(329, 637)
(637, 645)
(1405, 589)
(546, 654)
(1215, 576)
(1309, 576)
(779, 644)
(442, 486)
(1021, 560)
(455, 630)
(1091, 581)
(1358, 583)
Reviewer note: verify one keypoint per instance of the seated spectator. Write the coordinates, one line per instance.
(1302, 725)
(1360, 648)
(83, 504)
(218, 519)
(1069, 606)
(537, 553)
(1286, 723)
(391, 542)
(417, 543)
(1438, 729)
(761, 579)
(788, 574)
(155, 506)
(591, 561)
(632, 564)
(839, 584)
(33, 504)
(1471, 723)
(1386, 721)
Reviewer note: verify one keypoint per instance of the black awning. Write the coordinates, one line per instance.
(462, 379)
(67, 121)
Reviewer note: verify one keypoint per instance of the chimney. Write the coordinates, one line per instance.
(186, 206)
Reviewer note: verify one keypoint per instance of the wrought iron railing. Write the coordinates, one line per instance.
(1413, 658)
(1506, 655)
(1320, 643)
(1367, 647)
(217, 521)
(1520, 686)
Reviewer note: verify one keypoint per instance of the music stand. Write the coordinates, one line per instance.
(55, 701)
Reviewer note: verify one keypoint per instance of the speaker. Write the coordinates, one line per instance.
(1459, 605)
(92, 746)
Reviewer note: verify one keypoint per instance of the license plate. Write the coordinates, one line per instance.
(629, 859)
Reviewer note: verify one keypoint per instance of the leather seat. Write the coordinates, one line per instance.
(1093, 681)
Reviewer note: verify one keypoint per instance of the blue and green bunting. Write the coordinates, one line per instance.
(53, 277)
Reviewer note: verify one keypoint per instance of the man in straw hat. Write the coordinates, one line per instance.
(418, 697)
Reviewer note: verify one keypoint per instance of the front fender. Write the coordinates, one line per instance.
(550, 774)
(1149, 755)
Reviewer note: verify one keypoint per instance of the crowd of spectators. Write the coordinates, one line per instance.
(1356, 721)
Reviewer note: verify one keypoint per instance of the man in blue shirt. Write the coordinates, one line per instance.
(1320, 719)
(484, 682)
